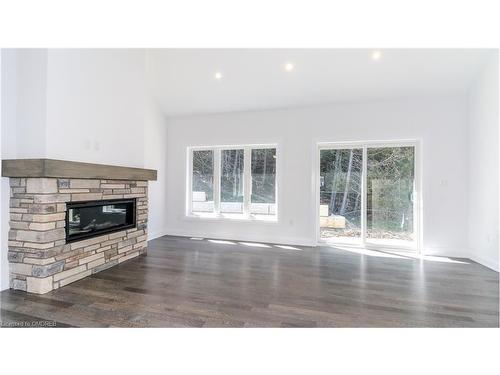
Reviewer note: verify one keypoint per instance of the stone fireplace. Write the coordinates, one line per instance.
(53, 238)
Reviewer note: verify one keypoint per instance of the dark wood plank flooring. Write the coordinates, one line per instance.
(184, 282)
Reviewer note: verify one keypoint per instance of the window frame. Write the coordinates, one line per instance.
(246, 215)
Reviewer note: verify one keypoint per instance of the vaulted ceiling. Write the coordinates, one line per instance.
(197, 81)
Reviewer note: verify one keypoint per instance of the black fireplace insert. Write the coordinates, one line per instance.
(90, 219)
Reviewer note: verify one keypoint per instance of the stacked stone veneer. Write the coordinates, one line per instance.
(40, 260)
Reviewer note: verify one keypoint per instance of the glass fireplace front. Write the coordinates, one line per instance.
(90, 219)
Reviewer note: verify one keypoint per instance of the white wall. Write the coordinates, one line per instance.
(440, 124)
(24, 89)
(9, 73)
(4, 191)
(31, 103)
(75, 104)
(155, 155)
(483, 166)
(96, 105)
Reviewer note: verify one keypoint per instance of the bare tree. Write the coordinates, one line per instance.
(347, 182)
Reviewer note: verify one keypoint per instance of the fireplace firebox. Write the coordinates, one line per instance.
(94, 218)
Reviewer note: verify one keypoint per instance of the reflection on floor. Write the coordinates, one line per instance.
(400, 254)
(195, 282)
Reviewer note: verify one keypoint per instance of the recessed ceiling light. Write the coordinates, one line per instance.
(218, 75)
(289, 67)
(376, 55)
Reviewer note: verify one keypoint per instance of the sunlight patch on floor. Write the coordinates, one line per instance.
(254, 244)
(432, 258)
(286, 247)
(222, 242)
(372, 253)
(398, 255)
(249, 244)
(355, 250)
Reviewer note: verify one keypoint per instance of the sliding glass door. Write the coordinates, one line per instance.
(340, 193)
(390, 183)
(367, 194)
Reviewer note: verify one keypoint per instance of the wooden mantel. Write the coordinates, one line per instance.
(72, 169)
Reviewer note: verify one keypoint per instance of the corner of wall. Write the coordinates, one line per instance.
(4, 194)
(155, 156)
(483, 156)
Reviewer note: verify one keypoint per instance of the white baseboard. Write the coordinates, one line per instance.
(490, 263)
(462, 253)
(452, 252)
(273, 240)
(157, 234)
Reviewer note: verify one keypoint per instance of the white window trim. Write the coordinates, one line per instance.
(246, 216)
(416, 245)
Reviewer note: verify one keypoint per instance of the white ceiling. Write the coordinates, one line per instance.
(183, 79)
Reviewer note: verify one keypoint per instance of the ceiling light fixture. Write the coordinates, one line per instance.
(376, 55)
(289, 67)
(218, 75)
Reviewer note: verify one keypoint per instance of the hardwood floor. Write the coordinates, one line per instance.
(185, 282)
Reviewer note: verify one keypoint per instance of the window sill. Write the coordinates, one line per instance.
(271, 219)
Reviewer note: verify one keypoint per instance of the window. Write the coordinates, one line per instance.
(202, 197)
(233, 182)
(263, 199)
(367, 194)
